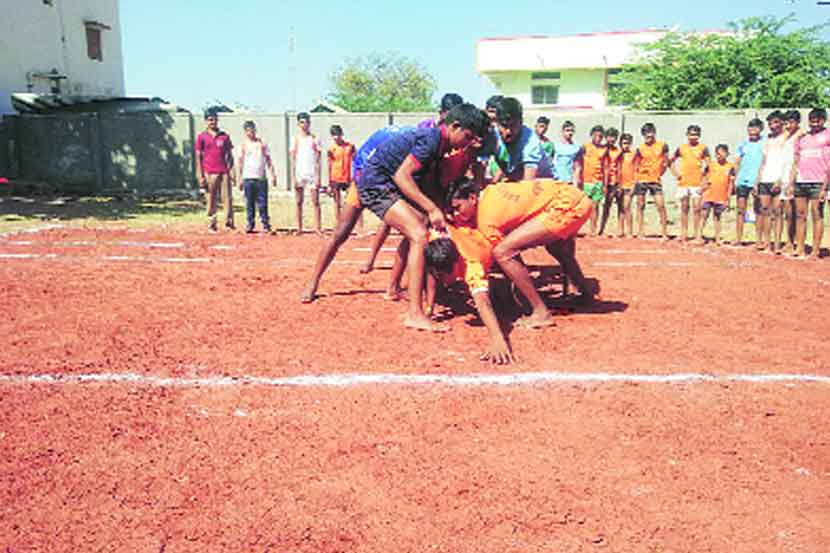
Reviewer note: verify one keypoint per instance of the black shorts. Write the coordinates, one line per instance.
(613, 190)
(743, 191)
(768, 189)
(810, 190)
(342, 186)
(718, 208)
(378, 200)
(653, 188)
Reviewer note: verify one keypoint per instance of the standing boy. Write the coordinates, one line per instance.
(214, 164)
(628, 182)
(694, 158)
(772, 179)
(717, 189)
(542, 125)
(613, 190)
(650, 163)
(567, 156)
(254, 159)
(593, 172)
(748, 167)
(812, 164)
(448, 101)
(305, 158)
(786, 200)
(340, 156)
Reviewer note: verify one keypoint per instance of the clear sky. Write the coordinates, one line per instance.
(193, 52)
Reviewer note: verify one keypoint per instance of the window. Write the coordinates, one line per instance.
(545, 94)
(93, 44)
(546, 75)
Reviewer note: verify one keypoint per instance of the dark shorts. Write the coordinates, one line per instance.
(768, 189)
(342, 186)
(743, 191)
(653, 188)
(716, 207)
(378, 200)
(613, 191)
(810, 190)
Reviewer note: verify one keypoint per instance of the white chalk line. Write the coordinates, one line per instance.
(394, 379)
(34, 230)
(644, 264)
(22, 256)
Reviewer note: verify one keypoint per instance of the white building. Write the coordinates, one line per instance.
(564, 72)
(68, 47)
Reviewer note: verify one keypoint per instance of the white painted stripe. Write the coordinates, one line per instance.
(393, 379)
(18, 255)
(34, 230)
(222, 247)
(151, 244)
(645, 264)
(21, 243)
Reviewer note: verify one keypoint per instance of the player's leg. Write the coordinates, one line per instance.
(626, 217)
(641, 208)
(817, 216)
(696, 202)
(717, 214)
(792, 218)
(606, 209)
(762, 224)
(660, 202)
(404, 218)
(704, 218)
(348, 218)
(212, 200)
(775, 223)
(801, 206)
(393, 291)
(335, 194)
(299, 196)
(262, 202)
(739, 219)
(378, 240)
(249, 188)
(684, 215)
(564, 251)
(315, 203)
(227, 199)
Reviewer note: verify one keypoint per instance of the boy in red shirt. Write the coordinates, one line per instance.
(340, 154)
(214, 164)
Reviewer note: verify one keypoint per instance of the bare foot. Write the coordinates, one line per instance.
(366, 269)
(392, 295)
(423, 323)
(308, 296)
(535, 321)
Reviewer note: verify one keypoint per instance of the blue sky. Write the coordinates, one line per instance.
(192, 52)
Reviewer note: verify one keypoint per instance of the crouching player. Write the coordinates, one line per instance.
(512, 217)
(392, 187)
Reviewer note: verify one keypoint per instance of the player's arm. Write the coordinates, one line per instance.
(673, 164)
(636, 163)
(532, 155)
(200, 174)
(498, 351)
(329, 162)
(529, 171)
(664, 162)
(405, 181)
(606, 172)
(757, 180)
(732, 174)
(577, 169)
(316, 148)
(292, 169)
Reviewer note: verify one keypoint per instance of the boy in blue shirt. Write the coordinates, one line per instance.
(393, 185)
(567, 156)
(750, 158)
(519, 154)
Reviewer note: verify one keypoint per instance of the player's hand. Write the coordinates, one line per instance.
(437, 219)
(822, 196)
(203, 182)
(498, 353)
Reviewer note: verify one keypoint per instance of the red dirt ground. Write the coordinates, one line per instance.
(592, 467)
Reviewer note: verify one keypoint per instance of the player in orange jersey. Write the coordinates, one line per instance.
(593, 172)
(717, 189)
(650, 163)
(613, 191)
(694, 157)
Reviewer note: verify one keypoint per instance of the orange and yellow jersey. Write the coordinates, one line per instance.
(691, 163)
(627, 176)
(474, 259)
(592, 157)
(613, 155)
(720, 175)
(341, 157)
(502, 207)
(652, 160)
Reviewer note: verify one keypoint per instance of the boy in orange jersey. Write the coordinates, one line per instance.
(340, 154)
(650, 163)
(693, 157)
(613, 192)
(516, 216)
(628, 181)
(717, 189)
(593, 171)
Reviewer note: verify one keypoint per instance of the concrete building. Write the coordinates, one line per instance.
(565, 72)
(66, 47)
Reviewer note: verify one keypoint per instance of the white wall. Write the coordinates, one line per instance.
(30, 41)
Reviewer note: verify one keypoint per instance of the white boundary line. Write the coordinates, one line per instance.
(395, 379)
(33, 230)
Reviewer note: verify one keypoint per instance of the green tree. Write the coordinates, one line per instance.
(382, 82)
(756, 65)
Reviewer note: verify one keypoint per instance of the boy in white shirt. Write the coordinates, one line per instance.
(305, 157)
(254, 158)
